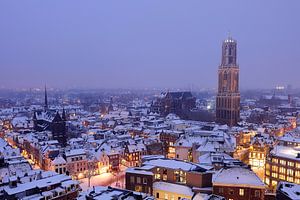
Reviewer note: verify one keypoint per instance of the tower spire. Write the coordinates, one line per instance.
(46, 99)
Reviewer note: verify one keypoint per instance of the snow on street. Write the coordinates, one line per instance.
(105, 179)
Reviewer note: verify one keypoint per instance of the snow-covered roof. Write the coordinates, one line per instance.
(138, 171)
(291, 190)
(173, 188)
(238, 176)
(75, 152)
(174, 164)
(286, 152)
(59, 161)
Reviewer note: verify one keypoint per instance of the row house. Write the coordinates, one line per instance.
(153, 171)
(238, 183)
(59, 165)
(54, 186)
(77, 163)
(169, 138)
(259, 148)
(133, 154)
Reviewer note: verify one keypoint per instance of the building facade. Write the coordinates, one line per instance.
(228, 97)
(282, 164)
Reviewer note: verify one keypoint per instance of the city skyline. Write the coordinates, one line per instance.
(137, 45)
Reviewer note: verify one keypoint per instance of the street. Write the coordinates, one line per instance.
(105, 179)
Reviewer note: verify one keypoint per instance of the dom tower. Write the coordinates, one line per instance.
(228, 97)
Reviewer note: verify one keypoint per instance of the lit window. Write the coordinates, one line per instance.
(282, 176)
(166, 196)
(290, 179)
(282, 170)
(267, 181)
(274, 168)
(282, 162)
(297, 173)
(290, 172)
(157, 176)
(291, 164)
(242, 192)
(275, 175)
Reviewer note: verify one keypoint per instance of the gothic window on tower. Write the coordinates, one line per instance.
(225, 75)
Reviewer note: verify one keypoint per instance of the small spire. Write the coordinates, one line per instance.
(64, 117)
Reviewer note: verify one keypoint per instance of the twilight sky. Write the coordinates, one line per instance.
(146, 43)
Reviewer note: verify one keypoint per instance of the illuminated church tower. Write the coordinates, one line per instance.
(228, 97)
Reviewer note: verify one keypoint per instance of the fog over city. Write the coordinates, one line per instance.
(146, 44)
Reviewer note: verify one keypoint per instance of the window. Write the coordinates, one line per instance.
(242, 192)
(138, 188)
(138, 180)
(290, 179)
(231, 191)
(275, 175)
(157, 176)
(282, 176)
(290, 172)
(282, 170)
(291, 164)
(165, 174)
(157, 195)
(282, 162)
(274, 183)
(257, 193)
(267, 181)
(274, 168)
(166, 196)
(144, 181)
(221, 190)
(297, 173)
(131, 179)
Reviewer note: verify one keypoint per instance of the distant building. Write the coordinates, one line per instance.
(52, 121)
(228, 97)
(179, 103)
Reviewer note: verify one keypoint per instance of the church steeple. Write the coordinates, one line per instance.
(46, 100)
(228, 97)
(64, 116)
